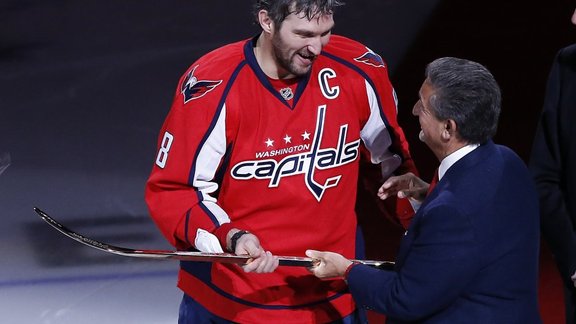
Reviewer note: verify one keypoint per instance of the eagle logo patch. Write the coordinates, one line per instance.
(192, 88)
(371, 58)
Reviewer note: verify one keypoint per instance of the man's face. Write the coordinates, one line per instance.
(298, 42)
(431, 127)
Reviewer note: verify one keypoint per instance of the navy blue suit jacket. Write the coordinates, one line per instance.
(470, 254)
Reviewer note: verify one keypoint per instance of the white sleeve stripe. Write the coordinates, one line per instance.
(206, 165)
(374, 133)
(377, 138)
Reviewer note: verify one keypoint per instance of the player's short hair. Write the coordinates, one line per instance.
(466, 92)
(278, 10)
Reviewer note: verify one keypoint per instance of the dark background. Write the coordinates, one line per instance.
(516, 40)
(85, 86)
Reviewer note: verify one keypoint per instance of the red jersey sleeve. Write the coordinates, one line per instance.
(192, 143)
(388, 148)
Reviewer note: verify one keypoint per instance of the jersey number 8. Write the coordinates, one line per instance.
(164, 149)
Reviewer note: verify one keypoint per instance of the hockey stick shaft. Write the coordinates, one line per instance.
(185, 255)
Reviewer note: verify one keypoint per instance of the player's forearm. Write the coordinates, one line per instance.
(181, 215)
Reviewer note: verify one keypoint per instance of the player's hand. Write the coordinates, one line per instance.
(330, 264)
(407, 185)
(261, 261)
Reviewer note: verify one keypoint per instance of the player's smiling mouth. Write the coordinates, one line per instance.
(307, 58)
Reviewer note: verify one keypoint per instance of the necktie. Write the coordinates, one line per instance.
(433, 182)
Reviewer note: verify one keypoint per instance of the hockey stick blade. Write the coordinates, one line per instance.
(186, 255)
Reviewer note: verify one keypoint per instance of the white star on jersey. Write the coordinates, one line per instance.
(306, 135)
(269, 142)
(287, 139)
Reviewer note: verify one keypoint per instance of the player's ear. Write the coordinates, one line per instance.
(265, 22)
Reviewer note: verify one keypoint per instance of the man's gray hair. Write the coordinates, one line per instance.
(466, 92)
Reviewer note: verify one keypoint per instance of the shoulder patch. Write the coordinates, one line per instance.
(371, 58)
(192, 88)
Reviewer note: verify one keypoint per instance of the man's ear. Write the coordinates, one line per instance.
(266, 23)
(449, 129)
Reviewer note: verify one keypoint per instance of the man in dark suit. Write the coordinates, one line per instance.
(553, 165)
(470, 254)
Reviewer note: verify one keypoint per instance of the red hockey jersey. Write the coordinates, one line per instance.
(281, 163)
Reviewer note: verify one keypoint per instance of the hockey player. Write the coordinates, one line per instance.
(260, 155)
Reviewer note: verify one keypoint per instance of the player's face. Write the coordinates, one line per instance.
(431, 127)
(298, 42)
(574, 17)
